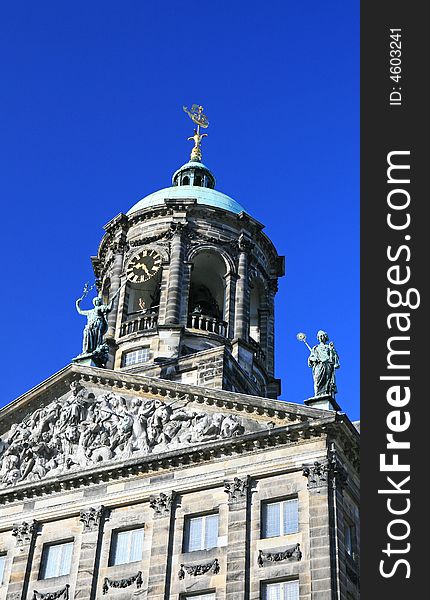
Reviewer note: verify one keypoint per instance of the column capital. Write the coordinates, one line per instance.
(24, 532)
(162, 504)
(237, 490)
(92, 517)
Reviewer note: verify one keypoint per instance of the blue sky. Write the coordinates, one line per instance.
(91, 121)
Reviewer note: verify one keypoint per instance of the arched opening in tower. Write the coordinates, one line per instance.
(207, 286)
(143, 298)
(255, 305)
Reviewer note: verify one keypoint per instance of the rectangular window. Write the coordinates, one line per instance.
(135, 357)
(206, 596)
(350, 539)
(56, 560)
(282, 590)
(2, 567)
(280, 518)
(126, 546)
(201, 533)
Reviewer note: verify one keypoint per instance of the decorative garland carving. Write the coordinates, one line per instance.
(122, 583)
(64, 592)
(195, 570)
(288, 553)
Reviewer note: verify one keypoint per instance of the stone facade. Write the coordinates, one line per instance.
(174, 473)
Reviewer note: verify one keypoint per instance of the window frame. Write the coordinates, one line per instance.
(135, 351)
(3, 561)
(113, 545)
(45, 555)
(210, 595)
(282, 523)
(265, 584)
(186, 533)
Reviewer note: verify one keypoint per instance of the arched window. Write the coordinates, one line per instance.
(256, 298)
(186, 180)
(207, 286)
(197, 180)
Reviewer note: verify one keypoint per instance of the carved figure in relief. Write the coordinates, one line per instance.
(82, 429)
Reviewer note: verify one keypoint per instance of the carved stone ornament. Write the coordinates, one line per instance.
(91, 518)
(195, 570)
(85, 429)
(123, 583)
(317, 475)
(24, 532)
(162, 504)
(237, 489)
(292, 552)
(63, 593)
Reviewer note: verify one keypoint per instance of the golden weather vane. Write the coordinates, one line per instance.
(196, 115)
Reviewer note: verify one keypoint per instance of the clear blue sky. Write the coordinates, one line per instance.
(92, 121)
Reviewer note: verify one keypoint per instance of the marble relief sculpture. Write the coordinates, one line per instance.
(84, 429)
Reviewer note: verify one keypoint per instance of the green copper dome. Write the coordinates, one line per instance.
(203, 195)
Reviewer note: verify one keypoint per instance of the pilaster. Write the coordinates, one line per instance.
(242, 289)
(161, 548)
(92, 520)
(174, 296)
(25, 535)
(237, 577)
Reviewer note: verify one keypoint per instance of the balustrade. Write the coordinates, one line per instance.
(206, 323)
(143, 322)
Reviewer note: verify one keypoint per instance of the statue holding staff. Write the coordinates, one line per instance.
(324, 360)
(97, 323)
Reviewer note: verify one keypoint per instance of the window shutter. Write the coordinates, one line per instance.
(121, 544)
(291, 516)
(211, 531)
(291, 590)
(273, 591)
(194, 541)
(271, 519)
(65, 557)
(136, 547)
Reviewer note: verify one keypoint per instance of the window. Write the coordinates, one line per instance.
(206, 596)
(350, 539)
(135, 357)
(283, 590)
(280, 518)
(56, 560)
(201, 533)
(126, 547)
(2, 566)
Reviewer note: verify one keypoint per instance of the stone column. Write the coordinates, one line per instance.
(237, 577)
(270, 341)
(160, 573)
(322, 583)
(174, 294)
(25, 534)
(86, 582)
(230, 294)
(115, 282)
(242, 290)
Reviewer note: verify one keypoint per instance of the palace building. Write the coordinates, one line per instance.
(160, 463)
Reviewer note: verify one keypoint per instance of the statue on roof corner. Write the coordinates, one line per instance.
(324, 360)
(93, 345)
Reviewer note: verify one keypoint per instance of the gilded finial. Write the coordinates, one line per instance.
(196, 115)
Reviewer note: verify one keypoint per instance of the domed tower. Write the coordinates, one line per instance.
(194, 279)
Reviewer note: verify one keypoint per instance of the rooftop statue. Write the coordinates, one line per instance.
(324, 360)
(97, 325)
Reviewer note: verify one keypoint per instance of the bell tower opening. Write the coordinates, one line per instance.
(206, 303)
(255, 304)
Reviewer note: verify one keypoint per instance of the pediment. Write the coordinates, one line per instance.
(83, 418)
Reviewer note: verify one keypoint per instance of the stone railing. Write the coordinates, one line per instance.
(143, 322)
(206, 323)
(259, 355)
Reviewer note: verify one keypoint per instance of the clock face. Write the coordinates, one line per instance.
(143, 266)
